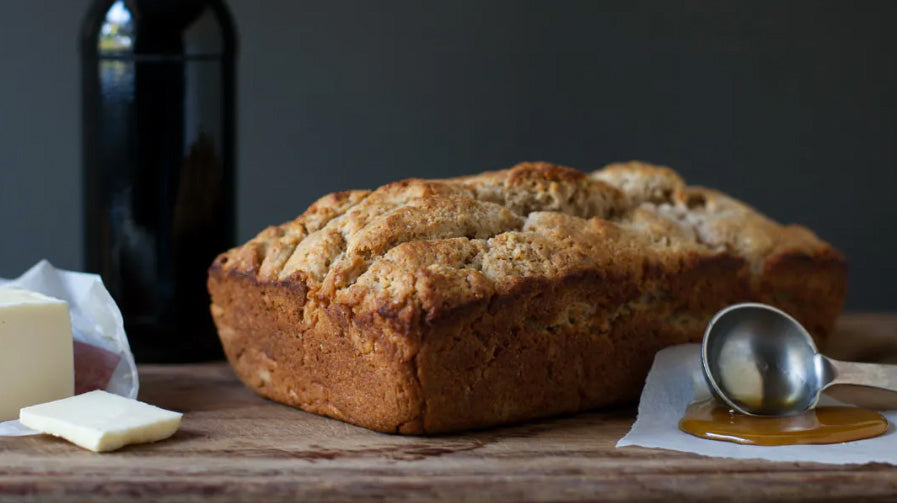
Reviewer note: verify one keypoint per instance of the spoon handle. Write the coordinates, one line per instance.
(875, 375)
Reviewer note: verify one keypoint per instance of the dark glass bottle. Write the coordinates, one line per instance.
(158, 154)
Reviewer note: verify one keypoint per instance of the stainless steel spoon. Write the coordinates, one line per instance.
(762, 362)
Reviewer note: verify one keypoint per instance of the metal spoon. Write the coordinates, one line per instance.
(760, 361)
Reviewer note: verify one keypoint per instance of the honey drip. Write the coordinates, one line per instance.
(822, 425)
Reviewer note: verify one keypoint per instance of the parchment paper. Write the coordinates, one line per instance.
(675, 381)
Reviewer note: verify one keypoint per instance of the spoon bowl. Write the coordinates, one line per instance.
(760, 361)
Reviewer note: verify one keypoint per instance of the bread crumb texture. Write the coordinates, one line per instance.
(438, 305)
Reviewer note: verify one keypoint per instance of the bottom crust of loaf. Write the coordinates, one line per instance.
(549, 347)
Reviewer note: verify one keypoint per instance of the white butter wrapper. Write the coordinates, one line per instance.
(103, 358)
(675, 380)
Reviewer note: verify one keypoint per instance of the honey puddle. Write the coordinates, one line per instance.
(822, 425)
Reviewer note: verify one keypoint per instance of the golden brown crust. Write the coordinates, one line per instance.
(436, 305)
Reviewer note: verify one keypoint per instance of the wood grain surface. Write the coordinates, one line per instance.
(234, 446)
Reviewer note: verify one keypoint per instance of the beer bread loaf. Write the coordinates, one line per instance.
(431, 306)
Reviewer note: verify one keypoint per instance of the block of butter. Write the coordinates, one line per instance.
(101, 421)
(36, 363)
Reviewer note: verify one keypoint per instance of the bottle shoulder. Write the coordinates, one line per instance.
(159, 27)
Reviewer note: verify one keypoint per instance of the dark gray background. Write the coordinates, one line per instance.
(791, 106)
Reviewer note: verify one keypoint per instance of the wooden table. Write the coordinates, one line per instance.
(234, 446)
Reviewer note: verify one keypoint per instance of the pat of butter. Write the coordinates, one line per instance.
(101, 421)
(36, 362)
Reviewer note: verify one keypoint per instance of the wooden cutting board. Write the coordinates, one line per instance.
(235, 446)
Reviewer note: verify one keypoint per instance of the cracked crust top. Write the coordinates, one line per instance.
(441, 243)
